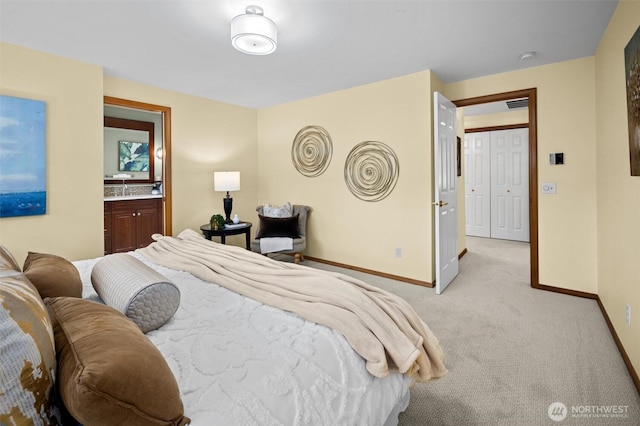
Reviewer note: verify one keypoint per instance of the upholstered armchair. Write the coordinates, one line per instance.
(280, 234)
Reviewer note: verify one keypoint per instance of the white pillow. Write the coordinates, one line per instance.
(145, 296)
(285, 210)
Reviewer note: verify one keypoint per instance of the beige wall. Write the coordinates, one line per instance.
(498, 119)
(73, 224)
(618, 192)
(343, 228)
(207, 136)
(567, 220)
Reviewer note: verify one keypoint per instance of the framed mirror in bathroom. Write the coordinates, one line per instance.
(128, 151)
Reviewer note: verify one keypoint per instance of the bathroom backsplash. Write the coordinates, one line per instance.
(133, 189)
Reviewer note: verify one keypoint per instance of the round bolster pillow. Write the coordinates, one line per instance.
(145, 296)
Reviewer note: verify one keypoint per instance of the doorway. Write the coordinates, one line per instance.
(531, 96)
(165, 154)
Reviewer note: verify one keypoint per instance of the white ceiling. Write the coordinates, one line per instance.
(323, 46)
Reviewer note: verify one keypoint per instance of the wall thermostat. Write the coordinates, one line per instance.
(556, 158)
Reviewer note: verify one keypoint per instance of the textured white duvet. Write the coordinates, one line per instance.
(240, 362)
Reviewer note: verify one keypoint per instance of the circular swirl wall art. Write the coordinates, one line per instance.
(371, 171)
(311, 151)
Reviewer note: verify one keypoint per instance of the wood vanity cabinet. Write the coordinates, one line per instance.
(129, 224)
(107, 228)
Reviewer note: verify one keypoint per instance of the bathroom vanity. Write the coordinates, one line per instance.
(129, 222)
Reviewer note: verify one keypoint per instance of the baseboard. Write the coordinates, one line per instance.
(612, 330)
(381, 274)
(369, 271)
(623, 353)
(462, 253)
(565, 291)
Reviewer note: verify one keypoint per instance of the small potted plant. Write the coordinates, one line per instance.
(216, 222)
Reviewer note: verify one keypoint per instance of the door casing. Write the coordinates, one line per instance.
(166, 155)
(531, 95)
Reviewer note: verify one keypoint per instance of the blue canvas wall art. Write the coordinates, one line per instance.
(23, 162)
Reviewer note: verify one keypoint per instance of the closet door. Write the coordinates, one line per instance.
(510, 184)
(477, 184)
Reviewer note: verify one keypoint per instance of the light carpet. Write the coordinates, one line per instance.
(511, 350)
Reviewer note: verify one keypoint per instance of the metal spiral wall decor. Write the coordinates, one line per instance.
(371, 171)
(311, 151)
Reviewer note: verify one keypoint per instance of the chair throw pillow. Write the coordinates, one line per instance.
(52, 275)
(145, 296)
(278, 227)
(109, 373)
(27, 356)
(285, 210)
(7, 261)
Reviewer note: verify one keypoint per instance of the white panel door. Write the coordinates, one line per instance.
(510, 184)
(445, 190)
(477, 184)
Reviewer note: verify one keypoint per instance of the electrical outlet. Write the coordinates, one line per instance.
(628, 314)
(398, 251)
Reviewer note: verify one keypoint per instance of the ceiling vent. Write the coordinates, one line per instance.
(518, 103)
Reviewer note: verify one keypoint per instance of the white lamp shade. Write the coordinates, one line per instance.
(226, 181)
(254, 33)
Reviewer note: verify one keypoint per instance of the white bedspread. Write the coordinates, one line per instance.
(240, 362)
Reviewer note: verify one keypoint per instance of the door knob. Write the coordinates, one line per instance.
(440, 203)
(473, 190)
(508, 190)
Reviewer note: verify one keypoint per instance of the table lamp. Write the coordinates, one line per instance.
(226, 181)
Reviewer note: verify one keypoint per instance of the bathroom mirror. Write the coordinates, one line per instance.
(128, 151)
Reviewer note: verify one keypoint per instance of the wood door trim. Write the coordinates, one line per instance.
(531, 94)
(166, 155)
(497, 128)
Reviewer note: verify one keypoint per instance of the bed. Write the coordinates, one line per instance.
(238, 361)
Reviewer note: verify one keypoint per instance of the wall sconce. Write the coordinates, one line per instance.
(226, 181)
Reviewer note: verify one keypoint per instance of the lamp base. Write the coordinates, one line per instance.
(228, 205)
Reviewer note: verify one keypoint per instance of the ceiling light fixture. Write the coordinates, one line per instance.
(527, 56)
(253, 33)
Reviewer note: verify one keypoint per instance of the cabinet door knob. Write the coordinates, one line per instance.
(134, 213)
(138, 213)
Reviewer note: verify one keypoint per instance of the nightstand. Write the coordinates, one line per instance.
(235, 229)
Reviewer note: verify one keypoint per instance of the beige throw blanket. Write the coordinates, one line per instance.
(382, 327)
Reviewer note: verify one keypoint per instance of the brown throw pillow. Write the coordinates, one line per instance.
(278, 227)
(52, 275)
(109, 373)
